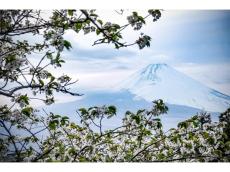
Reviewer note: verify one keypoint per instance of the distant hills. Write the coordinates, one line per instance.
(183, 95)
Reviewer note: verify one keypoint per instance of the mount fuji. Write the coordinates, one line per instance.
(183, 95)
(160, 81)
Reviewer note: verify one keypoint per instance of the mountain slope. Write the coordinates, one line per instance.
(160, 81)
(124, 101)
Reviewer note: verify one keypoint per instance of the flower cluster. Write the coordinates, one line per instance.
(140, 138)
(143, 41)
(136, 21)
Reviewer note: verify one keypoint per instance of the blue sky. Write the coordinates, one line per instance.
(198, 37)
(194, 42)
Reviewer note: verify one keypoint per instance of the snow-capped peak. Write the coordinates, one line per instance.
(150, 72)
(152, 68)
(160, 81)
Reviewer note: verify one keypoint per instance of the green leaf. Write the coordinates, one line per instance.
(147, 132)
(211, 140)
(88, 21)
(116, 46)
(100, 21)
(24, 98)
(52, 78)
(98, 31)
(137, 119)
(159, 125)
(70, 12)
(72, 151)
(41, 82)
(112, 109)
(135, 13)
(67, 44)
(161, 156)
(195, 123)
(206, 135)
(141, 19)
(128, 113)
(56, 116)
(64, 120)
(94, 113)
(27, 111)
(83, 111)
(82, 159)
(78, 26)
(73, 125)
(183, 125)
(93, 15)
(52, 125)
(140, 111)
(218, 153)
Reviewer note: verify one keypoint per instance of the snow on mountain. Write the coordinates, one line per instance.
(124, 101)
(160, 81)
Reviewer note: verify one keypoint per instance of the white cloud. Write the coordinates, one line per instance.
(216, 76)
(104, 73)
(97, 74)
